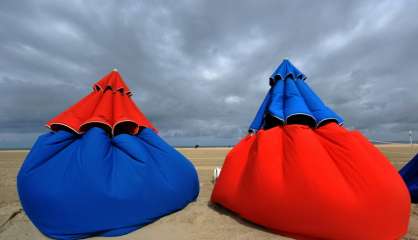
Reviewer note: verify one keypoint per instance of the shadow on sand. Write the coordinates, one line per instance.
(223, 211)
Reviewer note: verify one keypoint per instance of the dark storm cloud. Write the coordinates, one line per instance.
(199, 69)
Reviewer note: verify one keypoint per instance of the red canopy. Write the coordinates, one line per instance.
(109, 104)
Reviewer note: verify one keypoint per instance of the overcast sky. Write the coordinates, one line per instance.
(199, 69)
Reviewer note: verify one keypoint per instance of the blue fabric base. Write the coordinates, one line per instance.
(409, 174)
(75, 186)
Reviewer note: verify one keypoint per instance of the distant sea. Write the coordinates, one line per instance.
(209, 146)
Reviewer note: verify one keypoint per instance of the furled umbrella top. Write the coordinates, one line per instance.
(284, 70)
(109, 105)
(290, 97)
(114, 82)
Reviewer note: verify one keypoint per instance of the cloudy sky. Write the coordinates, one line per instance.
(199, 69)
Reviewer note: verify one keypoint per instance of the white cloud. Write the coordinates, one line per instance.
(233, 99)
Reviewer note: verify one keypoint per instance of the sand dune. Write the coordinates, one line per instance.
(200, 220)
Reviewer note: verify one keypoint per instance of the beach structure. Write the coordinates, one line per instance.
(302, 174)
(409, 174)
(102, 169)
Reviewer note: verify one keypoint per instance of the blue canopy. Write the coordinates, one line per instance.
(74, 186)
(289, 96)
(409, 174)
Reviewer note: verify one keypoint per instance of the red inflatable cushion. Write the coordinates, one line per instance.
(325, 183)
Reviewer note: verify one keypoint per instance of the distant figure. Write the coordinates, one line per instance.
(196, 146)
(216, 173)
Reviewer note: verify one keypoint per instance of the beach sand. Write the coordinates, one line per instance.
(199, 220)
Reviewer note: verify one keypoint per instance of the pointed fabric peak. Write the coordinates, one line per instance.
(114, 82)
(284, 70)
(291, 97)
(109, 105)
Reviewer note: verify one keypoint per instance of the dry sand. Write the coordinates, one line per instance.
(199, 220)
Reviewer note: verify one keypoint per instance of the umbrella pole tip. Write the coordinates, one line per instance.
(115, 70)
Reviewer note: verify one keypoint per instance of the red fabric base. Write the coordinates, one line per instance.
(325, 183)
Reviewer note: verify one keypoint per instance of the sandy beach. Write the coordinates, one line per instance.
(199, 220)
